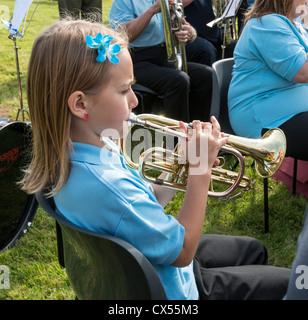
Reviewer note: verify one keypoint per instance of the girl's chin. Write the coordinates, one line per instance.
(112, 134)
(118, 133)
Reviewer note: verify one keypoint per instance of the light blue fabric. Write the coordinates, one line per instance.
(122, 11)
(103, 195)
(268, 55)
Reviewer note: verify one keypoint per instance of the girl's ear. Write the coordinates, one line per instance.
(76, 104)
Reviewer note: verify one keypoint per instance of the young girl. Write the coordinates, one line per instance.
(79, 85)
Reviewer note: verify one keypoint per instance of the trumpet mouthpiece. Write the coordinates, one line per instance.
(132, 119)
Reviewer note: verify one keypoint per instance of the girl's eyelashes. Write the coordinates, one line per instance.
(127, 90)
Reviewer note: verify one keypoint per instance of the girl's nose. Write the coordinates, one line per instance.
(134, 101)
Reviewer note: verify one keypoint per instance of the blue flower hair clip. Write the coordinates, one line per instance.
(104, 49)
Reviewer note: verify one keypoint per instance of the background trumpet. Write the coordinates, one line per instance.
(268, 153)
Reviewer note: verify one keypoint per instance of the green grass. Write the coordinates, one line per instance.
(46, 13)
(34, 270)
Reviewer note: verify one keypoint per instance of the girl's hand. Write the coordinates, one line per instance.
(202, 145)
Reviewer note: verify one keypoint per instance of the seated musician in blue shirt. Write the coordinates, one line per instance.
(269, 86)
(186, 96)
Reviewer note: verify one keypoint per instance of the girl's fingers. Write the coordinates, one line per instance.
(183, 127)
(196, 124)
(216, 127)
(217, 162)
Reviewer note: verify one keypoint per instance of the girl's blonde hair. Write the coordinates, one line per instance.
(264, 7)
(60, 64)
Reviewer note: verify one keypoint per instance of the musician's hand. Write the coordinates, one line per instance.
(187, 34)
(202, 145)
(156, 8)
(215, 142)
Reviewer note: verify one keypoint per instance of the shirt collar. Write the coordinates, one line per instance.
(95, 155)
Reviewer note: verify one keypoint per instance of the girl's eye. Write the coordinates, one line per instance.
(126, 90)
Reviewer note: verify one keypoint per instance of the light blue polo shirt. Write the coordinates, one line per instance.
(122, 11)
(268, 55)
(103, 195)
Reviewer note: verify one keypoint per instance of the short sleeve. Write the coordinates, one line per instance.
(158, 236)
(275, 40)
(120, 13)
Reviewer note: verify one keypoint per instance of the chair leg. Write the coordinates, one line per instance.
(60, 245)
(265, 190)
(294, 177)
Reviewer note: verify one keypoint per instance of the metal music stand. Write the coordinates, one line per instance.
(229, 13)
(14, 34)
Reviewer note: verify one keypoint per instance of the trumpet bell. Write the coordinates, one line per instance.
(268, 151)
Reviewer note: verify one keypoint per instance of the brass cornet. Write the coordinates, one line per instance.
(268, 153)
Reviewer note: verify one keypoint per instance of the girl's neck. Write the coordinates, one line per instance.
(81, 133)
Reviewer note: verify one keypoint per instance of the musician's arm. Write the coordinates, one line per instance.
(302, 74)
(163, 195)
(135, 27)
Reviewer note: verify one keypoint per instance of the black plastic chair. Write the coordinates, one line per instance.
(102, 267)
(222, 74)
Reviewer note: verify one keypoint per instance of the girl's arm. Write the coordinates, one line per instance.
(192, 213)
(163, 194)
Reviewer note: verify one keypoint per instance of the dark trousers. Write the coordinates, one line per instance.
(203, 51)
(186, 97)
(235, 268)
(80, 8)
(296, 132)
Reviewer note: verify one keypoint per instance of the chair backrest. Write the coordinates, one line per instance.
(222, 74)
(102, 266)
